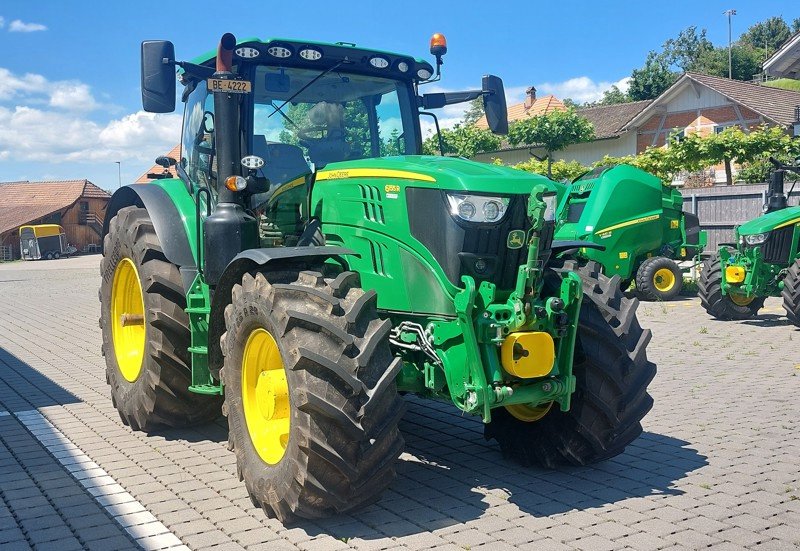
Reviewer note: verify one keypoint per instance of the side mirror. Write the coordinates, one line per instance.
(158, 76)
(166, 162)
(494, 104)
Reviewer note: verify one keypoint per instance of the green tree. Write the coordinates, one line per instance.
(553, 131)
(684, 50)
(796, 25)
(745, 62)
(770, 34)
(463, 141)
(570, 103)
(649, 81)
(474, 112)
(559, 170)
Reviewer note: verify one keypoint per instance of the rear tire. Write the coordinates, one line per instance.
(342, 440)
(709, 288)
(659, 278)
(159, 394)
(791, 293)
(612, 373)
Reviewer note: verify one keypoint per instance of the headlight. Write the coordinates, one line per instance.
(478, 208)
(756, 238)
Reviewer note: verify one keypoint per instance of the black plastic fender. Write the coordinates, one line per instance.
(248, 261)
(166, 221)
(562, 247)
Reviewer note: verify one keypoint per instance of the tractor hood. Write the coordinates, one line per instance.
(446, 173)
(771, 221)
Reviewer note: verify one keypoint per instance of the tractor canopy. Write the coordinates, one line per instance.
(282, 51)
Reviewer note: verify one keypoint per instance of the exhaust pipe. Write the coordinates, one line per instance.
(225, 53)
(229, 230)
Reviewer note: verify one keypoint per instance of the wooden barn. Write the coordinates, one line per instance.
(78, 206)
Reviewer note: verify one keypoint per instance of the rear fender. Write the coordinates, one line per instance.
(249, 261)
(173, 225)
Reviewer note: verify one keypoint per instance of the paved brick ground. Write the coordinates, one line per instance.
(717, 465)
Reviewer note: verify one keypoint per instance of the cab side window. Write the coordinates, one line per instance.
(197, 144)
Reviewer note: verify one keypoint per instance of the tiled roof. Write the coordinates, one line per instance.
(775, 104)
(23, 202)
(518, 111)
(608, 120)
(175, 153)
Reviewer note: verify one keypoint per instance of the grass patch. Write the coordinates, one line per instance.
(785, 84)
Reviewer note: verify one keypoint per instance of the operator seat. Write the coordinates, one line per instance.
(282, 163)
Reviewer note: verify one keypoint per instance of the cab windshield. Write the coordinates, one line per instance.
(331, 117)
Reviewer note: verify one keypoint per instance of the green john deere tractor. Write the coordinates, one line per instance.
(763, 262)
(640, 223)
(309, 266)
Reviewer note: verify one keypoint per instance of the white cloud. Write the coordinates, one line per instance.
(29, 134)
(72, 95)
(18, 26)
(35, 89)
(579, 89)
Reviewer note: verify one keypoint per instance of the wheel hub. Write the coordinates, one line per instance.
(527, 413)
(664, 280)
(265, 396)
(741, 300)
(127, 320)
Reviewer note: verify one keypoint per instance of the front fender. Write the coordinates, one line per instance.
(173, 215)
(248, 261)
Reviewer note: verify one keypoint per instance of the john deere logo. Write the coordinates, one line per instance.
(516, 239)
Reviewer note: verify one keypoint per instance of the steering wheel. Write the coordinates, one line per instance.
(306, 140)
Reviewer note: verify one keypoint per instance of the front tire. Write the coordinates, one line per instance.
(146, 330)
(659, 278)
(328, 389)
(791, 293)
(719, 306)
(612, 374)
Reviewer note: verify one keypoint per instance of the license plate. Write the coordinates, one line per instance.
(230, 86)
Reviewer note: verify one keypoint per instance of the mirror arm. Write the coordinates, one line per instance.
(437, 100)
(193, 70)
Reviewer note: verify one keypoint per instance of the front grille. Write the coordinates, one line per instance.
(460, 248)
(778, 245)
(492, 242)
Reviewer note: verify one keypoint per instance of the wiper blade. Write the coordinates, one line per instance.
(310, 82)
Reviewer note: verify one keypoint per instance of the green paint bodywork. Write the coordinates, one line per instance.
(456, 355)
(630, 212)
(762, 278)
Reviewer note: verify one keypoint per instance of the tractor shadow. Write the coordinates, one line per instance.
(450, 475)
(768, 320)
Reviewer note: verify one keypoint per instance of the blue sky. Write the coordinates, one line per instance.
(69, 77)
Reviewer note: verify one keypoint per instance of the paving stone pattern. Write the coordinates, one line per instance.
(717, 465)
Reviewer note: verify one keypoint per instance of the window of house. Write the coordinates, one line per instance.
(84, 206)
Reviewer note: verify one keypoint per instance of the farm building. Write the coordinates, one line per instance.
(77, 205)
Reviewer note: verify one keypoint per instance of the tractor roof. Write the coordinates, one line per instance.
(337, 50)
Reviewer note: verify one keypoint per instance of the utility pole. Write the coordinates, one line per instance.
(119, 173)
(729, 13)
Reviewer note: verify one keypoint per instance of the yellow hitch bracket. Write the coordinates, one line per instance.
(734, 274)
(528, 354)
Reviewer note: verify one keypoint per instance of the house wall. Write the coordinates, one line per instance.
(585, 153)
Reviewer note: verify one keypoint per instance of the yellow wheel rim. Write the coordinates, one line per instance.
(265, 396)
(741, 300)
(127, 319)
(527, 413)
(664, 279)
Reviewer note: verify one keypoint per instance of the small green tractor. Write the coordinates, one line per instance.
(640, 224)
(763, 262)
(309, 266)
